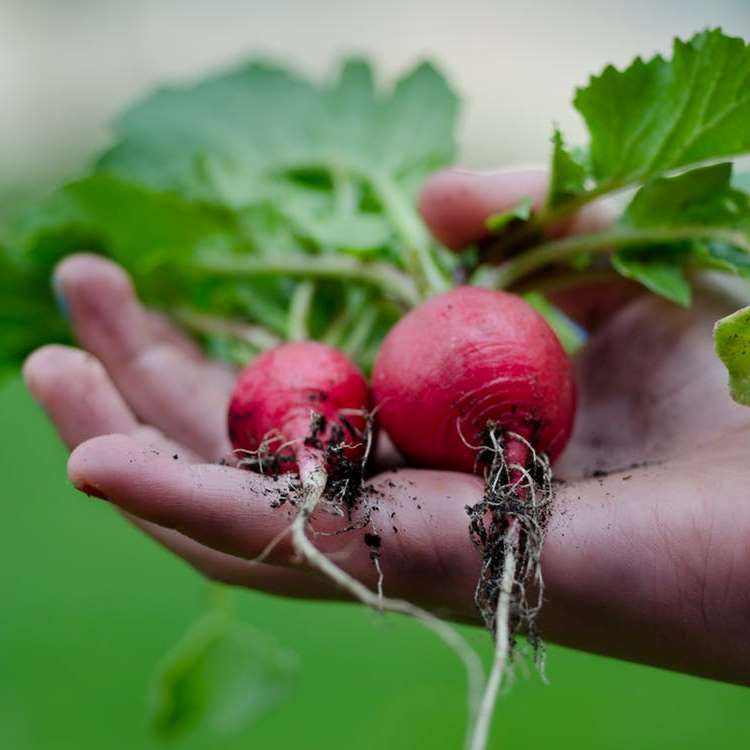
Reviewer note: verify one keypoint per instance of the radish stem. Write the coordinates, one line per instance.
(413, 233)
(256, 336)
(299, 312)
(558, 251)
(392, 282)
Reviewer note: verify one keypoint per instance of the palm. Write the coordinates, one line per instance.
(651, 387)
(654, 549)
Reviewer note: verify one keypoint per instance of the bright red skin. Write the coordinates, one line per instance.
(279, 390)
(465, 358)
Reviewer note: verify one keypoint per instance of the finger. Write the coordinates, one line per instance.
(231, 511)
(82, 402)
(164, 384)
(76, 393)
(456, 203)
(234, 571)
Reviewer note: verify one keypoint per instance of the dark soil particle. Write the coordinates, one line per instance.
(373, 541)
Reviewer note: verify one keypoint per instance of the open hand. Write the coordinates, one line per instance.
(649, 560)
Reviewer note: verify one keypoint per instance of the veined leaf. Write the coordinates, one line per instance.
(663, 114)
(702, 200)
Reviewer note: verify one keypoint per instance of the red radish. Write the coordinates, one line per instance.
(276, 395)
(468, 358)
(470, 367)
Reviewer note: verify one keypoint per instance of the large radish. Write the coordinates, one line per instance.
(475, 380)
(467, 359)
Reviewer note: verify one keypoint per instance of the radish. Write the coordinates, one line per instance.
(463, 360)
(302, 406)
(275, 396)
(475, 380)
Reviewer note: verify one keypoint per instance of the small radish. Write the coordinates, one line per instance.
(296, 405)
(475, 379)
(302, 407)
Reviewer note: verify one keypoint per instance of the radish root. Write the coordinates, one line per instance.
(315, 483)
(508, 526)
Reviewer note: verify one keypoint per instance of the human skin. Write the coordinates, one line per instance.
(649, 562)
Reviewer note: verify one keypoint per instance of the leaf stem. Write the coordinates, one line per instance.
(512, 271)
(299, 312)
(383, 276)
(361, 330)
(413, 233)
(255, 335)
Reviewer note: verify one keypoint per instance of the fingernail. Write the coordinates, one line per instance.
(59, 294)
(90, 490)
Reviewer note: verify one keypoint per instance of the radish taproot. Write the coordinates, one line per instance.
(303, 407)
(475, 380)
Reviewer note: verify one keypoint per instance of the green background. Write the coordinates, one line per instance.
(89, 606)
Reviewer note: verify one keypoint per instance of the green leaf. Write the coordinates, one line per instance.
(520, 212)
(135, 225)
(662, 114)
(30, 317)
(221, 676)
(569, 173)
(703, 200)
(261, 123)
(732, 343)
(571, 335)
(703, 196)
(343, 162)
(660, 271)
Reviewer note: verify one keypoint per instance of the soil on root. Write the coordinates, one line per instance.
(345, 494)
(512, 517)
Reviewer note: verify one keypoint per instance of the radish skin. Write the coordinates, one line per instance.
(462, 360)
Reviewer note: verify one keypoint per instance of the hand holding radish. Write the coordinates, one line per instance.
(640, 564)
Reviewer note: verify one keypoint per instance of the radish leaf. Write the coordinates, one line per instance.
(520, 212)
(732, 342)
(568, 173)
(662, 114)
(267, 127)
(220, 677)
(702, 199)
